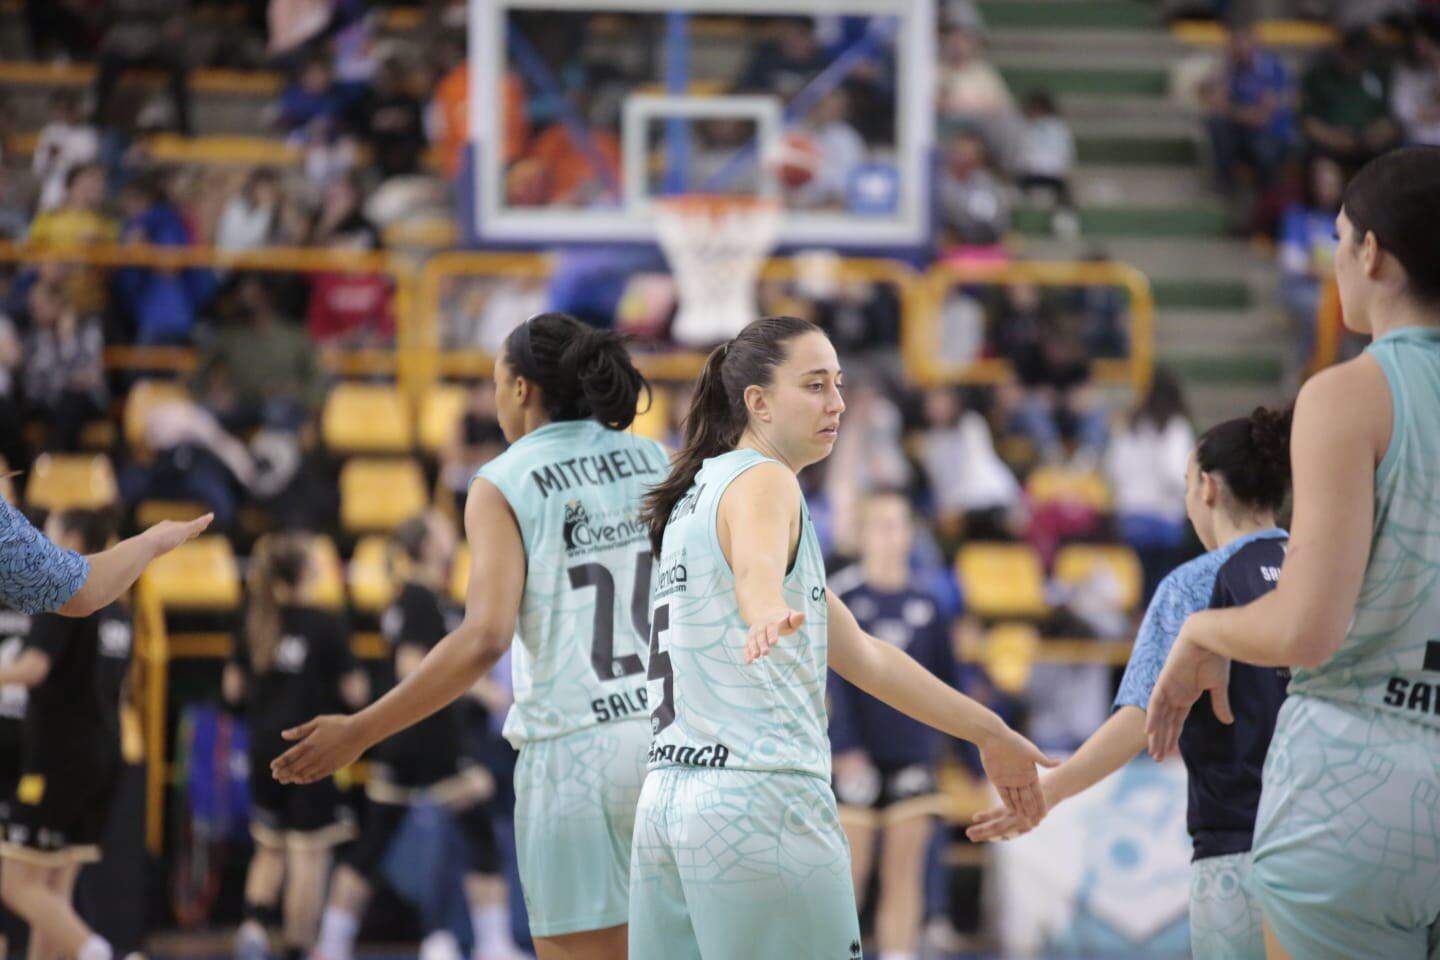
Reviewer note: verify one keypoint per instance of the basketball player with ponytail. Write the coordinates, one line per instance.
(1236, 482)
(738, 847)
(560, 563)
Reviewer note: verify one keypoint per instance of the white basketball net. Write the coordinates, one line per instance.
(715, 246)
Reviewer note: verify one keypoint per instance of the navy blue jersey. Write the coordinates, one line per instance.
(1225, 761)
(911, 620)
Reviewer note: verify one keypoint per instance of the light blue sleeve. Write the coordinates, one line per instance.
(35, 575)
(1180, 594)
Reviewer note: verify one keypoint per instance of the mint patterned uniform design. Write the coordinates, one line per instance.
(737, 823)
(1350, 814)
(580, 718)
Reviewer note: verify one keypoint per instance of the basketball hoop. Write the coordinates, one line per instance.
(715, 245)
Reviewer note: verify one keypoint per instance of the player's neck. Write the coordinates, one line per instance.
(1228, 530)
(1400, 313)
(752, 440)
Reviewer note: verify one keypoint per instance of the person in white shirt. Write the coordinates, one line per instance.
(65, 143)
(1146, 464)
(251, 217)
(841, 151)
(1415, 91)
(1047, 150)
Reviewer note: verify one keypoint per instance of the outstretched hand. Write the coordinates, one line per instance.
(324, 745)
(1189, 671)
(169, 534)
(766, 633)
(1010, 762)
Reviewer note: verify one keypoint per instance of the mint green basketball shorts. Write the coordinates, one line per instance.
(735, 863)
(1347, 841)
(1225, 919)
(575, 799)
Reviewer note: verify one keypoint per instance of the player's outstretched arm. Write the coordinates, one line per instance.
(891, 675)
(492, 605)
(1343, 421)
(113, 571)
(1108, 749)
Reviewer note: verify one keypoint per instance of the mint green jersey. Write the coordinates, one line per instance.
(575, 489)
(1390, 659)
(711, 709)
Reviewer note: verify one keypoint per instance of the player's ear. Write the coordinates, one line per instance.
(757, 403)
(1209, 488)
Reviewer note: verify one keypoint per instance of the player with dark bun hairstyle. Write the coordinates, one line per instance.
(1345, 838)
(560, 564)
(1236, 483)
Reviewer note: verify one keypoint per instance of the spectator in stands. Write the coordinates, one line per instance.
(390, 119)
(1415, 96)
(973, 492)
(1346, 104)
(1047, 152)
(14, 206)
(311, 99)
(1104, 314)
(785, 66)
(447, 117)
(558, 170)
(478, 439)
(840, 151)
(1307, 248)
(65, 143)
(251, 218)
(260, 369)
(79, 221)
(1250, 119)
(64, 367)
(162, 305)
(60, 29)
(1146, 466)
(143, 33)
(348, 308)
(974, 97)
(974, 212)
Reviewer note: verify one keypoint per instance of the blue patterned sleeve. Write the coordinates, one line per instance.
(35, 575)
(1185, 591)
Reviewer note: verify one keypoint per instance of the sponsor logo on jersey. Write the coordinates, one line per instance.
(290, 653)
(672, 578)
(115, 639)
(583, 536)
(717, 755)
(595, 470)
(856, 953)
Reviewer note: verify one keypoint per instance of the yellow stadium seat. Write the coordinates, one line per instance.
(199, 575)
(150, 512)
(59, 481)
(1075, 563)
(144, 397)
(371, 586)
(378, 495)
(440, 412)
(654, 422)
(460, 574)
(1002, 580)
(366, 418)
(1056, 485)
(1009, 654)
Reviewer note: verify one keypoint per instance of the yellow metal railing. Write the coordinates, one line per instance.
(152, 654)
(921, 335)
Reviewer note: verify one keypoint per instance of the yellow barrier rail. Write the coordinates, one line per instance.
(153, 657)
(921, 334)
(1329, 329)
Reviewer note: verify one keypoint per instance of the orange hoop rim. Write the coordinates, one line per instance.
(714, 204)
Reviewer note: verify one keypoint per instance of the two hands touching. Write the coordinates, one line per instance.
(1010, 760)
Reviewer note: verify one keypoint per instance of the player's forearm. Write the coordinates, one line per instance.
(1266, 633)
(445, 674)
(891, 675)
(1109, 748)
(112, 572)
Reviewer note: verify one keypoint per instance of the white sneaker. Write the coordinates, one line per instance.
(440, 945)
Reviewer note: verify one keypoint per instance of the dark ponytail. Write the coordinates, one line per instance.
(717, 415)
(582, 372)
(279, 558)
(1253, 455)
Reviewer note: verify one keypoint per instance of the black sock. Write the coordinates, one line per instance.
(263, 914)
